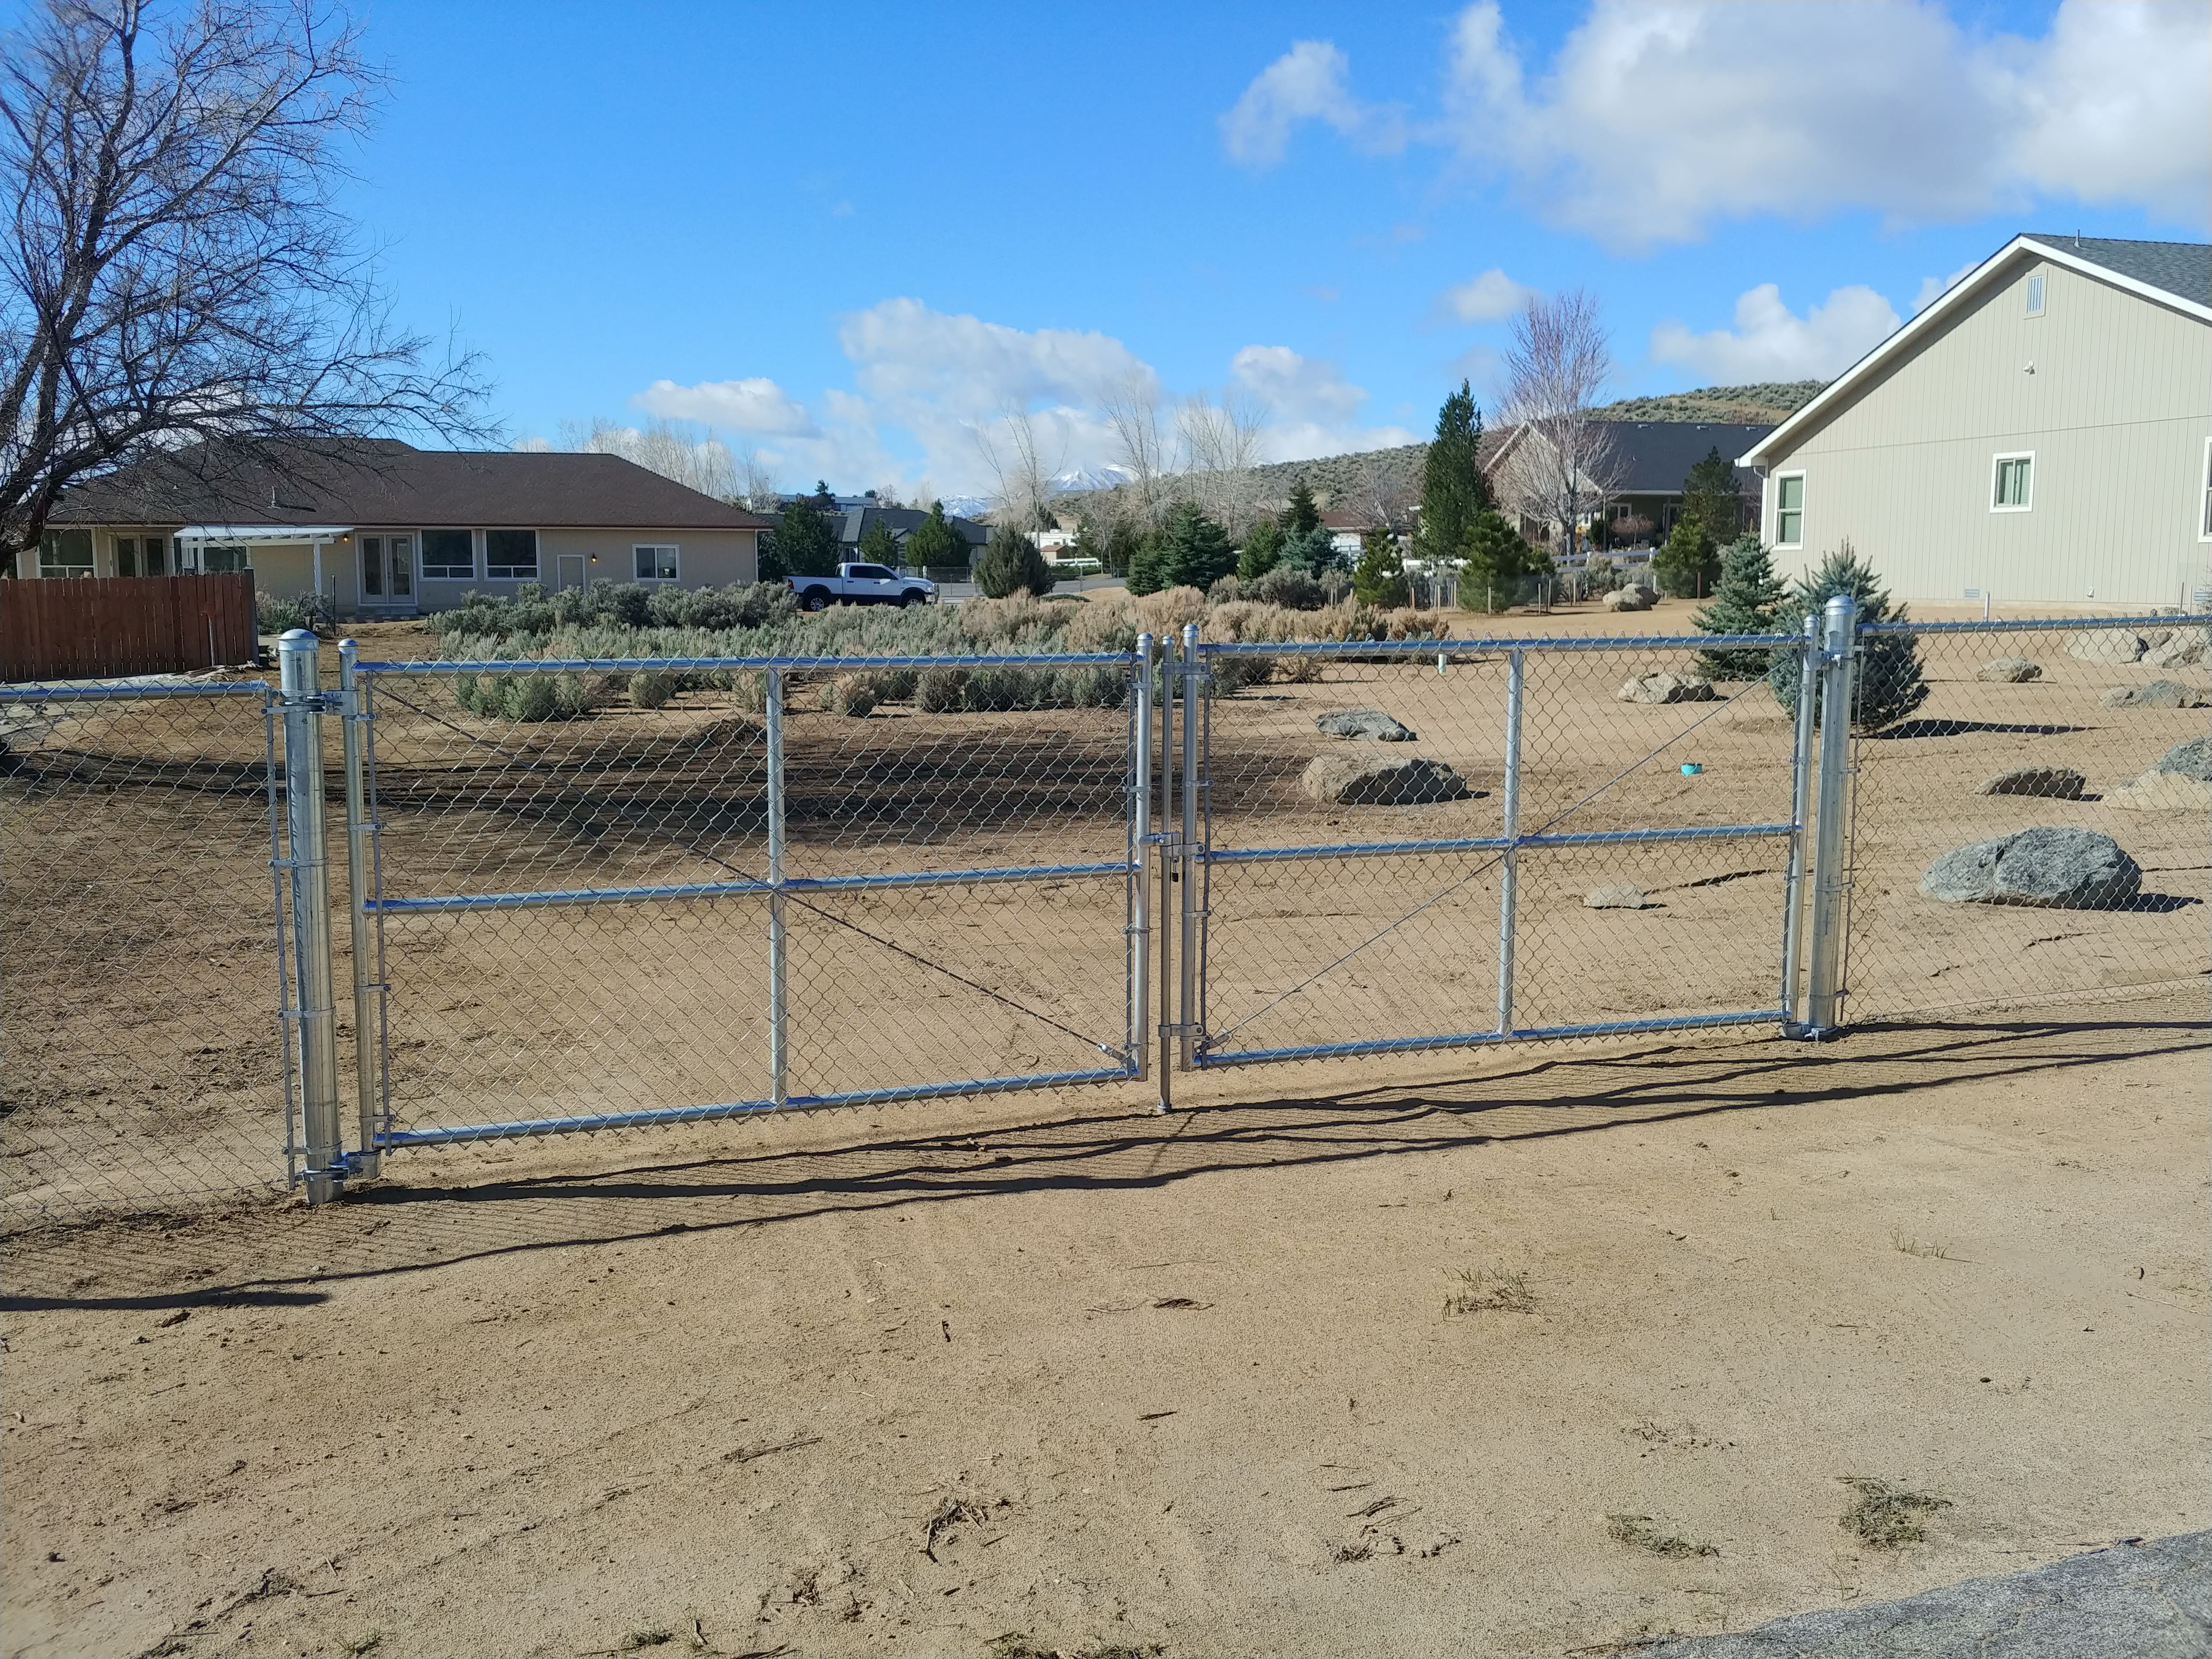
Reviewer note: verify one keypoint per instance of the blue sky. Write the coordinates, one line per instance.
(846, 235)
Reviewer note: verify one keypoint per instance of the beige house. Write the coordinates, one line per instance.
(379, 528)
(2042, 434)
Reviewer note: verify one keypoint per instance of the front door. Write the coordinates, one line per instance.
(387, 571)
(568, 571)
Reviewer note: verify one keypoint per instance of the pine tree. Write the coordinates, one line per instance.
(1889, 682)
(877, 545)
(1301, 515)
(1454, 492)
(1195, 552)
(1494, 562)
(1379, 578)
(1123, 543)
(1746, 600)
(1310, 550)
(1689, 565)
(1147, 567)
(1710, 495)
(934, 544)
(1010, 563)
(805, 545)
(1263, 549)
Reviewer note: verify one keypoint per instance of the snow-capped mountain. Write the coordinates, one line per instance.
(966, 507)
(1097, 477)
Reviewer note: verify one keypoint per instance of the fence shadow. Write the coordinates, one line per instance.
(419, 1222)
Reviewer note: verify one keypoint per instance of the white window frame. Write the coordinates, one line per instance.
(2039, 284)
(514, 573)
(1997, 471)
(422, 567)
(1799, 509)
(52, 570)
(2204, 502)
(675, 552)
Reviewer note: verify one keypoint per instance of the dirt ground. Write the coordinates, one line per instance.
(913, 1380)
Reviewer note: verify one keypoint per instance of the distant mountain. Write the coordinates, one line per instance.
(966, 507)
(1769, 403)
(1099, 478)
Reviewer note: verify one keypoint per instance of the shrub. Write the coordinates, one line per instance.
(651, 688)
(1689, 565)
(1746, 600)
(1289, 586)
(272, 614)
(1108, 623)
(1227, 591)
(940, 690)
(532, 697)
(1011, 563)
(997, 688)
(1889, 682)
(851, 695)
(1379, 578)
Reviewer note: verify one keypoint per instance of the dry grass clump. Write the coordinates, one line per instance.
(1887, 1518)
(1491, 1289)
(1641, 1532)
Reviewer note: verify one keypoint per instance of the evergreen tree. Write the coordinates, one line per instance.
(877, 545)
(1195, 552)
(1011, 563)
(1454, 492)
(805, 545)
(823, 497)
(934, 544)
(1310, 550)
(1710, 495)
(1889, 684)
(1301, 515)
(1494, 562)
(1147, 567)
(1689, 565)
(771, 567)
(1379, 578)
(1123, 543)
(1746, 600)
(1263, 546)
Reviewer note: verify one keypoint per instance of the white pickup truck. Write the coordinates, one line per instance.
(862, 584)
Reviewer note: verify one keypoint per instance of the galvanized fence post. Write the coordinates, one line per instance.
(309, 859)
(1838, 645)
(1140, 852)
(1800, 800)
(353, 728)
(1170, 856)
(1187, 1015)
(1509, 877)
(779, 1051)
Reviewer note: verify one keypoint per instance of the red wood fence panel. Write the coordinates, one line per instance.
(105, 627)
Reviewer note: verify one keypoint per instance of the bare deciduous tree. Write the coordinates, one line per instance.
(756, 489)
(1559, 464)
(1221, 444)
(702, 464)
(1014, 449)
(179, 268)
(1131, 407)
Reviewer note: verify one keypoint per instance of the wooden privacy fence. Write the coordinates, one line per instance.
(103, 626)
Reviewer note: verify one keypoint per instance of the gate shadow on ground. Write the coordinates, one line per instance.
(414, 1224)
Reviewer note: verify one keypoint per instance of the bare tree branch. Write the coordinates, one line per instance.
(1559, 464)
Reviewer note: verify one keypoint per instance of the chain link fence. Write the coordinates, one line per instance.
(603, 894)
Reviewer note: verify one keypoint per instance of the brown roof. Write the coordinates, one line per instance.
(381, 480)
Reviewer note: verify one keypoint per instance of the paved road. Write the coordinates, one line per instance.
(2128, 1602)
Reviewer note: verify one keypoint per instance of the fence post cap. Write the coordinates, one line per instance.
(296, 639)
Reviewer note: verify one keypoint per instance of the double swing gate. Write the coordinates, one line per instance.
(723, 894)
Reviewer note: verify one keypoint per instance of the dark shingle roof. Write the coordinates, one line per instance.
(1655, 456)
(384, 482)
(903, 521)
(2182, 268)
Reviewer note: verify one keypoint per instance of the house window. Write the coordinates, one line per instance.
(653, 563)
(449, 555)
(217, 559)
(65, 553)
(1790, 509)
(511, 555)
(142, 556)
(2012, 486)
(2035, 294)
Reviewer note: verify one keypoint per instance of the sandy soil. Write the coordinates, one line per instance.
(910, 1381)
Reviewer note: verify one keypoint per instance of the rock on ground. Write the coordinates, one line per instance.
(2180, 650)
(2009, 671)
(1666, 688)
(1629, 598)
(2105, 645)
(2192, 759)
(2158, 694)
(2055, 782)
(2162, 792)
(2128, 1602)
(1615, 896)
(2053, 866)
(1353, 781)
(1372, 724)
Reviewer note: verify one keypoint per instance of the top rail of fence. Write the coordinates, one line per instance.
(1493, 643)
(593, 664)
(64, 691)
(2032, 624)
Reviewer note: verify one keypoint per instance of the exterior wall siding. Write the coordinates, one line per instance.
(2115, 414)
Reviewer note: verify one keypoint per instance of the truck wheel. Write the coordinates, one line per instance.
(814, 598)
(912, 596)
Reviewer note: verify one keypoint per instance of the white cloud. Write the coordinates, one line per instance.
(1769, 342)
(1933, 289)
(755, 406)
(1313, 408)
(1488, 298)
(1306, 83)
(1654, 121)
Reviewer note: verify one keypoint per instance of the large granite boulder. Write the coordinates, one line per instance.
(2192, 759)
(1615, 896)
(2105, 645)
(1630, 598)
(2054, 782)
(2158, 694)
(2009, 671)
(1359, 781)
(2162, 792)
(1371, 725)
(2183, 648)
(2054, 866)
(1666, 688)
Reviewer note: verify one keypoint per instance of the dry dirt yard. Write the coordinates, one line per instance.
(912, 1380)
